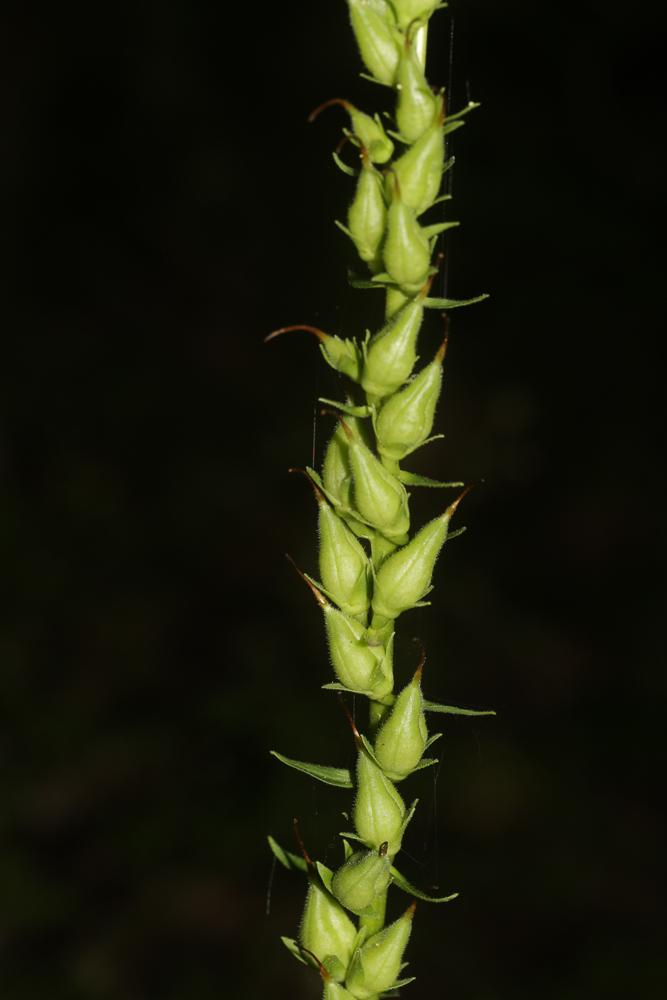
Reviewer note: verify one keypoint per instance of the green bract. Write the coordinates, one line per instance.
(370, 569)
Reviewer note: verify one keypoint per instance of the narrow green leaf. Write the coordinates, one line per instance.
(337, 776)
(411, 890)
(470, 106)
(434, 706)
(412, 479)
(424, 762)
(288, 860)
(353, 411)
(439, 227)
(295, 949)
(452, 126)
(343, 166)
(431, 303)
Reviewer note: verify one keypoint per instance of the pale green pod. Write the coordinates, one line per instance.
(336, 470)
(419, 170)
(406, 419)
(367, 215)
(409, 10)
(353, 660)
(375, 966)
(344, 566)
(417, 105)
(402, 738)
(379, 811)
(391, 354)
(377, 38)
(326, 930)
(406, 251)
(404, 579)
(380, 497)
(371, 135)
(364, 876)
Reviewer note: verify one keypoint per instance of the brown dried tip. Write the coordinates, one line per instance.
(300, 843)
(319, 495)
(426, 287)
(317, 594)
(442, 350)
(383, 849)
(410, 912)
(315, 330)
(451, 510)
(323, 972)
(353, 725)
(422, 660)
(328, 104)
(339, 416)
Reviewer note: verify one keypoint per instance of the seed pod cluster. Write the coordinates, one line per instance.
(371, 570)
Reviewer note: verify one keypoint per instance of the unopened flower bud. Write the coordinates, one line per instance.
(417, 104)
(402, 738)
(380, 497)
(406, 419)
(367, 215)
(364, 876)
(326, 930)
(405, 577)
(344, 566)
(406, 250)
(377, 38)
(371, 135)
(391, 354)
(419, 169)
(409, 10)
(342, 355)
(375, 966)
(379, 810)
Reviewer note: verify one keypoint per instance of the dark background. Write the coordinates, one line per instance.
(165, 204)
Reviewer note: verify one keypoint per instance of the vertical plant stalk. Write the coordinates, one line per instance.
(372, 568)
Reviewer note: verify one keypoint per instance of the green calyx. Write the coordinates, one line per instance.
(408, 11)
(402, 739)
(419, 170)
(370, 134)
(407, 249)
(326, 930)
(367, 216)
(361, 879)
(417, 105)
(377, 38)
(379, 497)
(376, 966)
(391, 354)
(344, 565)
(405, 421)
(379, 811)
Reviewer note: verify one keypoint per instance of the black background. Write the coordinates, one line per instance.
(165, 204)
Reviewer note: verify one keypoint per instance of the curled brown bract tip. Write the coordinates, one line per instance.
(319, 495)
(451, 510)
(442, 350)
(317, 594)
(316, 112)
(300, 843)
(383, 849)
(315, 330)
(323, 972)
(352, 723)
(326, 412)
(422, 660)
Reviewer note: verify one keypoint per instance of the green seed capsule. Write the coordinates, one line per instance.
(406, 419)
(336, 470)
(353, 660)
(409, 10)
(380, 498)
(367, 215)
(391, 354)
(364, 876)
(406, 251)
(401, 741)
(419, 169)
(376, 37)
(375, 966)
(417, 105)
(326, 930)
(405, 577)
(344, 566)
(379, 810)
